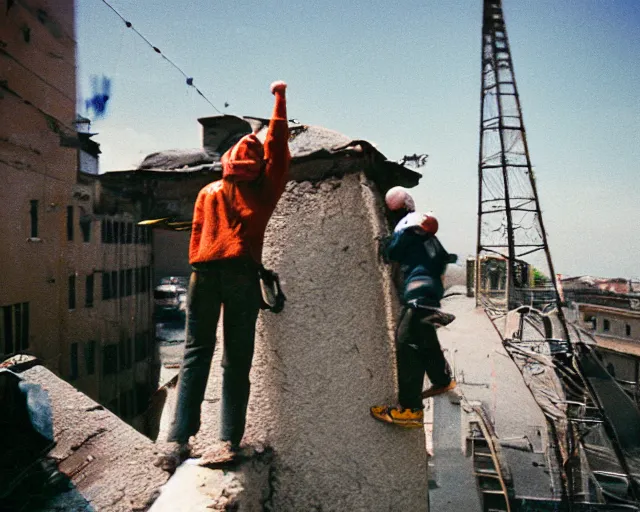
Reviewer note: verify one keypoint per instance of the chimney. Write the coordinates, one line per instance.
(220, 132)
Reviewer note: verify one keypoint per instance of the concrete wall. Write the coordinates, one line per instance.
(109, 464)
(331, 357)
(321, 363)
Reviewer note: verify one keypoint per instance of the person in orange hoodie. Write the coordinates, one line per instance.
(225, 252)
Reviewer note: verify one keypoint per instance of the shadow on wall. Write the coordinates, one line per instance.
(156, 406)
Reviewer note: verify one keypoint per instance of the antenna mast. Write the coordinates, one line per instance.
(513, 263)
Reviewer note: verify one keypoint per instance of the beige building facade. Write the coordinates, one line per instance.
(75, 285)
(37, 108)
(617, 334)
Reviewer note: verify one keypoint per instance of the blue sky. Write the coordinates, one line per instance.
(404, 75)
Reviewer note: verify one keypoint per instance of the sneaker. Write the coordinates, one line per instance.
(438, 390)
(408, 418)
(172, 454)
(437, 317)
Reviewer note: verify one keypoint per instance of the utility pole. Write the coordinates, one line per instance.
(510, 226)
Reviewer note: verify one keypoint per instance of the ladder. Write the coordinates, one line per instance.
(490, 475)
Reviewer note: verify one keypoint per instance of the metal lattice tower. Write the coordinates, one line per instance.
(512, 241)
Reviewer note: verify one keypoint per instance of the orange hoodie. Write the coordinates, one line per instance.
(231, 215)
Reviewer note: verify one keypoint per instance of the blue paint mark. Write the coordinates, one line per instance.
(101, 92)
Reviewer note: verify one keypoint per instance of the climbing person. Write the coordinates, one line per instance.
(423, 260)
(225, 252)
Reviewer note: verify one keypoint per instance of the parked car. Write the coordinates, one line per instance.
(170, 297)
(177, 280)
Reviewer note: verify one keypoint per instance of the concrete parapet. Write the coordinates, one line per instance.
(326, 358)
(109, 465)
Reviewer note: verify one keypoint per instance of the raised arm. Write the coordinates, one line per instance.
(276, 144)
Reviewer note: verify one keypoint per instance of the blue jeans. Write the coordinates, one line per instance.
(235, 284)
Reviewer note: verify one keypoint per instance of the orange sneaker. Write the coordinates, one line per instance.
(408, 418)
(433, 390)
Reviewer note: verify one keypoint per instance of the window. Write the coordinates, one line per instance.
(85, 227)
(123, 232)
(109, 359)
(34, 218)
(144, 234)
(109, 235)
(606, 325)
(140, 347)
(14, 328)
(114, 284)
(121, 354)
(124, 404)
(131, 396)
(129, 232)
(72, 291)
(627, 329)
(88, 299)
(142, 398)
(136, 284)
(151, 346)
(90, 357)
(106, 286)
(129, 282)
(145, 277)
(73, 364)
(70, 223)
(121, 289)
(116, 232)
(127, 356)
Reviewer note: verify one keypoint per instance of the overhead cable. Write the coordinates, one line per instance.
(188, 79)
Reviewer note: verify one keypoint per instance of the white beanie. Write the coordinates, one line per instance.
(398, 198)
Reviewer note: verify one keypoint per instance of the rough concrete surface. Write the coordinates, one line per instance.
(199, 489)
(108, 462)
(325, 359)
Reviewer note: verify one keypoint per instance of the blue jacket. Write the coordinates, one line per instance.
(423, 259)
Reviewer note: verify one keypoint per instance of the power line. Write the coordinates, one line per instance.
(189, 79)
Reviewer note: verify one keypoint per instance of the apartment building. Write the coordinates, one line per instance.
(614, 322)
(75, 284)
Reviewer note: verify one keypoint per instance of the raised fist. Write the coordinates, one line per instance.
(278, 87)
